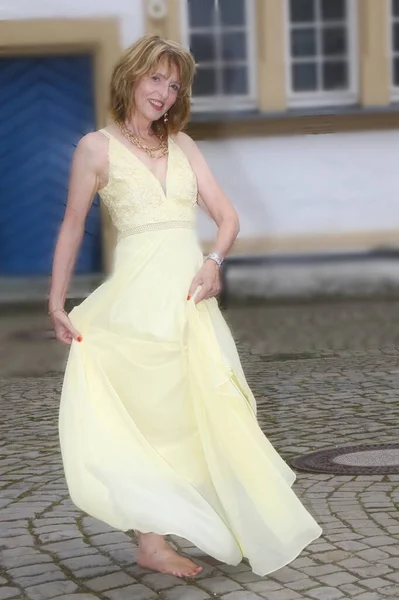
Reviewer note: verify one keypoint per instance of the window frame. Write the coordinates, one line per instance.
(228, 103)
(394, 89)
(325, 98)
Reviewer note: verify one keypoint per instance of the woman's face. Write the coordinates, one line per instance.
(157, 91)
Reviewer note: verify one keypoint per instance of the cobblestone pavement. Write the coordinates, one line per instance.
(324, 375)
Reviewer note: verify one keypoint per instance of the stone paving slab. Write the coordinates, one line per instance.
(49, 549)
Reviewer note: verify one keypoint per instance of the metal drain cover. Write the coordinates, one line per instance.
(362, 459)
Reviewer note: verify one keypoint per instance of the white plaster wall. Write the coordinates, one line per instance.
(129, 12)
(309, 184)
(280, 186)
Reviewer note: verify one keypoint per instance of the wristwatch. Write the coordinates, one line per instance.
(216, 257)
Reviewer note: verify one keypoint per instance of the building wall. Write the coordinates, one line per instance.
(128, 13)
(307, 192)
(293, 192)
(312, 192)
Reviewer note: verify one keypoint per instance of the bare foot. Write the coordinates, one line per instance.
(164, 559)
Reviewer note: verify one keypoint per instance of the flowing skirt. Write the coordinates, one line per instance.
(157, 423)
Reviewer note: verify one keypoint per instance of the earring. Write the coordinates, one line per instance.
(165, 118)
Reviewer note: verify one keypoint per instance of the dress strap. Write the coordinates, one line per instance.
(108, 135)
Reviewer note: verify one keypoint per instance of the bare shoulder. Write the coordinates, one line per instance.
(93, 142)
(92, 148)
(186, 143)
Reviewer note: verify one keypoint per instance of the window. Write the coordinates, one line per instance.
(321, 47)
(220, 34)
(395, 48)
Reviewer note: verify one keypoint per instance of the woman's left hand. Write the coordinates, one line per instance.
(208, 277)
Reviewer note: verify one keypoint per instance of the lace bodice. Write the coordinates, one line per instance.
(135, 197)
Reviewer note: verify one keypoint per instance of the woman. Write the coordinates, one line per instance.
(158, 427)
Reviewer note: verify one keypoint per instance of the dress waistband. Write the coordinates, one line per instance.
(156, 227)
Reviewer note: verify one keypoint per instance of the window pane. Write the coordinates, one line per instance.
(335, 75)
(204, 83)
(203, 47)
(234, 46)
(232, 12)
(395, 7)
(201, 13)
(302, 11)
(395, 35)
(304, 77)
(235, 80)
(303, 42)
(333, 10)
(396, 71)
(334, 41)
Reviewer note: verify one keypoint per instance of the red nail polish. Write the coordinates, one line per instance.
(79, 339)
(188, 297)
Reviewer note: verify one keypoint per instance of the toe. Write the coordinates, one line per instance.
(179, 573)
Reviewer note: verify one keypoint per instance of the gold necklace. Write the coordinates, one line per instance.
(156, 152)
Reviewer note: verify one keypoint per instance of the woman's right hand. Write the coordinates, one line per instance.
(64, 330)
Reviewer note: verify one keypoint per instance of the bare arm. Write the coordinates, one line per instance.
(219, 208)
(86, 174)
(212, 197)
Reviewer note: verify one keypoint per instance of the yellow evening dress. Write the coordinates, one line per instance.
(157, 424)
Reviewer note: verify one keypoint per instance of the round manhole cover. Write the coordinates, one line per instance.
(362, 459)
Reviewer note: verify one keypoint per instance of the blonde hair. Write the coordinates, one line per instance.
(139, 60)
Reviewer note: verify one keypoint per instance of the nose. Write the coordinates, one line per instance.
(164, 90)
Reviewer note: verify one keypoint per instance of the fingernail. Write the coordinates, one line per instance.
(79, 339)
(188, 297)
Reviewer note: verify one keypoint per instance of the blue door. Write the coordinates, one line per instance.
(46, 105)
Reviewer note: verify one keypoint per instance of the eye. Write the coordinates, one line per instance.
(155, 78)
(175, 87)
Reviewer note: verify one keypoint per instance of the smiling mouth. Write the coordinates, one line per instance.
(156, 105)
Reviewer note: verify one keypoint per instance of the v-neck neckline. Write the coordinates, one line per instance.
(164, 189)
